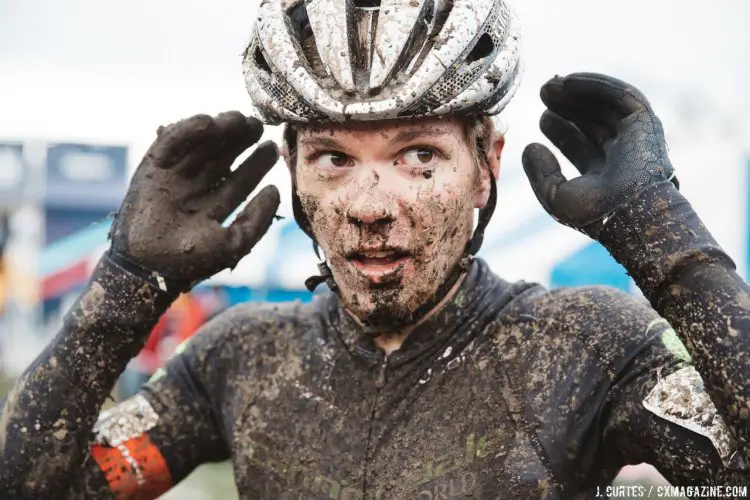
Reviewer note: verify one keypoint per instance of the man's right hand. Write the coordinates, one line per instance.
(170, 222)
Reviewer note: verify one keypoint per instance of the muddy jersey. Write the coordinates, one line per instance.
(509, 391)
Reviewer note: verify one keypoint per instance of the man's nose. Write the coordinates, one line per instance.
(373, 204)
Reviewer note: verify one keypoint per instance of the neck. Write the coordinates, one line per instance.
(392, 341)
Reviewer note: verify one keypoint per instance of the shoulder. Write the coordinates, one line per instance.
(242, 334)
(248, 325)
(576, 332)
(596, 313)
(591, 298)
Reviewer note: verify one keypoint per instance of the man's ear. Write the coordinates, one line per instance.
(493, 155)
(290, 161)
(496, 151)
(284, 151)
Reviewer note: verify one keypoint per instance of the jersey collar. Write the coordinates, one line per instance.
(468, 307)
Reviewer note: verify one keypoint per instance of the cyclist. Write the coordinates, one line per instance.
(421, 374)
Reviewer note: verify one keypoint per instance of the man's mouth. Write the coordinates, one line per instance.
(381, 266)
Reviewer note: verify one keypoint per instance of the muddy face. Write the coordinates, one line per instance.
(391, 204)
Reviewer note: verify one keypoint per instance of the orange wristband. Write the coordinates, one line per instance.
(134, 469)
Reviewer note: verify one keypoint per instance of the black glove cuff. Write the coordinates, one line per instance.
(657, 235)
(163, 283)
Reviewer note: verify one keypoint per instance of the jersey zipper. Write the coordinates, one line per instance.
(380, 382)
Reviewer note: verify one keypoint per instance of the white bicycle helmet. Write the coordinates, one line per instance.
(338, 60)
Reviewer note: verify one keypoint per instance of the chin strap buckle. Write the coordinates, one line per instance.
(326, 276)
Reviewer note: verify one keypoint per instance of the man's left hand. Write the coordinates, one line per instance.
(608, 131)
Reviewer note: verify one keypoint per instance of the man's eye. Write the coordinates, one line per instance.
(417, 157)
(334, 160)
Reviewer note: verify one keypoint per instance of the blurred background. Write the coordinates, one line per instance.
(85, 84)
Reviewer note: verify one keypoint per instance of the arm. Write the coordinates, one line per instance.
(49, 415)
(53, 405)
(658, 411)
(138, 449)
(149, 443)
(636, 396)
(692, 283)
(627, 199)
(54, 442)
(167, 235)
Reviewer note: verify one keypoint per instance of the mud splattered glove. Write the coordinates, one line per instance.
(608, 131)
(169, 228)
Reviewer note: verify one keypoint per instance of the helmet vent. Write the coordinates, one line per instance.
(299, 22)
(483, 48)
(260, 60)
(437, 15)
(366, 4)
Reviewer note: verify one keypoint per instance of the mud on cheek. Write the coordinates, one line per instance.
(444, 227)
(325, 221)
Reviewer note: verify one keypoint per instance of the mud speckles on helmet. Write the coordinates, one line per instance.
(396, 59)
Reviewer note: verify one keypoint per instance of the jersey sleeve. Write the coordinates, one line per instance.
(152, 441)
(147, 444)
(692, 282)
(608, 383)
(657, 409)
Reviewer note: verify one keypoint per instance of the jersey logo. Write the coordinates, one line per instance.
(670, 340)
(126, 421)
(681, 399)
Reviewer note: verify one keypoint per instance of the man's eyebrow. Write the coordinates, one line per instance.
(321, 141)
(324, 141)
(419, 133)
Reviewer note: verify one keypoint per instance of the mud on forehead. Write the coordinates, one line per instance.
(386, 127)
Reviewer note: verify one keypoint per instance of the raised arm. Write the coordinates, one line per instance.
(627, 198)
(167, 236)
